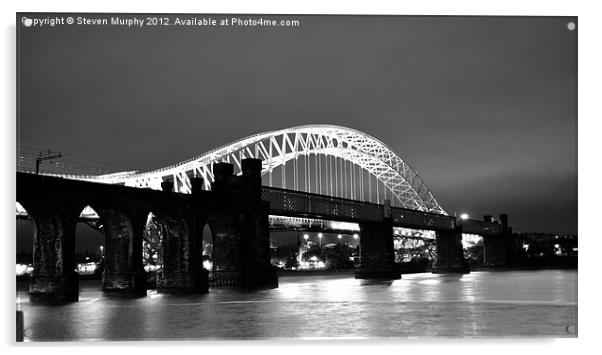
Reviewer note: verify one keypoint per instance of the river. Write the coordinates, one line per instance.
(479, 304)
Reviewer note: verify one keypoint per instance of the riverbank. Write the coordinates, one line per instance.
(550, 263)
(540, 263)
(348, 271)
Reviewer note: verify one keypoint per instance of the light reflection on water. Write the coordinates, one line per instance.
(533, 303)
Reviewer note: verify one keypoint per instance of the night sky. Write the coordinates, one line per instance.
(484, 108)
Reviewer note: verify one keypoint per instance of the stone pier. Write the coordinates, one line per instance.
(450, 254)
(54, 278)
(240, 226)
(182, 268)
(377, 256)
(496, 247)
(124, 272)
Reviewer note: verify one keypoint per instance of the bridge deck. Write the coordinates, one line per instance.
(302, 204)
(283, 202)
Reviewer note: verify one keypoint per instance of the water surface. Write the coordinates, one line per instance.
(479, 304)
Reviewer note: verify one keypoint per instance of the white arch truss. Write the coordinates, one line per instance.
(278, 147)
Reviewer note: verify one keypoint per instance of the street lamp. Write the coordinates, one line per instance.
(320, 235)
(306, 236)
(355, 236)
(101, 253)
(339, 236)
(464, 216)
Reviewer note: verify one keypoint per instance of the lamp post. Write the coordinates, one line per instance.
(320, 235)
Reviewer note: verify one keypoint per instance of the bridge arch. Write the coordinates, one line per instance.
(25, 230)
(89, 232)
(279, 147)
(207, 242)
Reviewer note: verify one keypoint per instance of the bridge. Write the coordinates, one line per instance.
(334, 174)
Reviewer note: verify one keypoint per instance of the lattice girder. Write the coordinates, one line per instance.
(278, 147)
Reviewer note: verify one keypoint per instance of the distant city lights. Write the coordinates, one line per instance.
(470, 240)
(86, 268)
(314, 263)
(151, 268)
(207, 265)
(23, 269)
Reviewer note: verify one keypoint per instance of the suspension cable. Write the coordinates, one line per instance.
(347, 181)
(345, 188)
(370, 187)
(320, 172)
(316, 168)
(341, 171)
(336, 178)
(362, 192)
(284, 175)
(307, 174)
(352, 168)
(377, 193)
(295, 182)
(270, 174)
(330, 158)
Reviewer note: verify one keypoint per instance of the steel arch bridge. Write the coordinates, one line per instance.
(345, 164)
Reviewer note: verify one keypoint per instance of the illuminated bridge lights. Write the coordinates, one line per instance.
(322, 159)
(470, 240)
(296, 223)
(414, 233)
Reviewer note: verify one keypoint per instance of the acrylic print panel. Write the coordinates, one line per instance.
(206, 176)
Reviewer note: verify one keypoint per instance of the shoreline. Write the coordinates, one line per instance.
(351, 271)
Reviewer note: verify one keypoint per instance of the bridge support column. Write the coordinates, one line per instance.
(227, 264)
(377, 257)
(450, 254)
(124, 272)
(494, 250)
(495, 247)
(181, 271)
(54, 278)
(226, 240)
(178, 274)
(241, 250)
(258, 272)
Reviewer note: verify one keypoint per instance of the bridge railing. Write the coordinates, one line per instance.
(421, 220)
(303, 204)
(473, 226)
